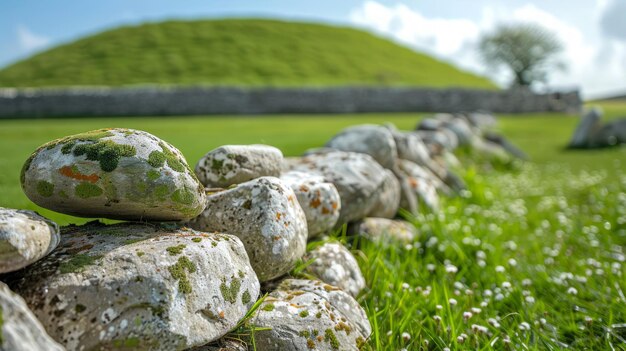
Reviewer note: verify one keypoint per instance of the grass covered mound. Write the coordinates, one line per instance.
(234, 52)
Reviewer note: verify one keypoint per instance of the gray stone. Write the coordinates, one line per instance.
(389, 196)
(589, 124)
(420, 183)
(462, 130)
(265, 214)
(373, 140)
(235, 164)
(409, 145)
(224, 344)
(25, 237)
(140, 286)
(357, 177)
(482, 121)
(113, 173)
(611, 134)
(335, 265)
(19, 328)
(319, 200)
(506, 145)
(384, 230)
(307, 314)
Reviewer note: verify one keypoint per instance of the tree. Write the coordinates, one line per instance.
(529, 51)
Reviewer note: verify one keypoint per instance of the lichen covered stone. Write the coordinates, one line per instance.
(19, 328)
(319, 200)
(109, 287)
(234, 164)
(113, 173)
(335, 265)
(265, 214)
(25, 237)
(357, 177)
(384, 230)
(373, 140)
(309, 314)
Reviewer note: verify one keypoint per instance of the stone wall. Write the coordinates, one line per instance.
(153, 101)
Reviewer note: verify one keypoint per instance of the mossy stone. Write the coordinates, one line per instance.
(45, 189)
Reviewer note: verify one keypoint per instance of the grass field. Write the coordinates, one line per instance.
(234, 52)
(529, 258)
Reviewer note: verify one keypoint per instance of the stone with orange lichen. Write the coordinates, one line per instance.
(319, 199)
(304, 315)
(263, 213)
(335, 265)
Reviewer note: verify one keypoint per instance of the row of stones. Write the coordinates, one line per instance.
(272, 208)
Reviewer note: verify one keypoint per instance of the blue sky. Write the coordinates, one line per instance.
(593, 31)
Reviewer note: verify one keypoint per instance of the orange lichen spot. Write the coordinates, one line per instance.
(325, 210)
(413, 182)
(315, 203)
(278, 215)
(276, 237)
(72, 172)
(334, 205)
(320, 338)
(222, 314)
(304, 188)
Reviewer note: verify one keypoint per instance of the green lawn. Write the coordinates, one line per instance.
(234, 52)
(531, 257)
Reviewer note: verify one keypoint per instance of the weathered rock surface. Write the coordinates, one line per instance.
(357, 177)
(19, 328)
(306, 314)
(409, 145)
(25, 237)
(335, 265)
(113, 173)
(235, 164)
(373, 140)
(389, 197)
(384, 230)
(223, 344)
(265, 214)
(610, 134)
(418, 185)
(319, 200)
(589, 125)
(139, 286)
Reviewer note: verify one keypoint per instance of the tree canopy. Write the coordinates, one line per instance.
(528, 51)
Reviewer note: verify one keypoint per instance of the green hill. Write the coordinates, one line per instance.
(234, 52)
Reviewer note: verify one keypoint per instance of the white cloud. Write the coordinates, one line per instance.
(29, 41)
(595, 64)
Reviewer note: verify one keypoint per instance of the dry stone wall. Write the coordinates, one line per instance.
(154, 283)
(177, 101)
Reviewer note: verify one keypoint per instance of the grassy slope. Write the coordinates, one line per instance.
(240, 52)
(556, 227)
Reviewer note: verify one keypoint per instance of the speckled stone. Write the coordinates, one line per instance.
(335, 265)
(25, 237)
(388, 199)
(113, 173)
(308, 314)
(384, 230)
(235, 164)
(373, 140)
(265, 214)
(319, 200)
(357, 177)
(20, 329)
(142, 286)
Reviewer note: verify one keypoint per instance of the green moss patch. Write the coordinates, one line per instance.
(183, 196)
(179, 272)
(196, 240)
(330, 336)
(153, 175)
(108, 153)
(175, 250)
(304, 313)
(269, 307)
(158, 158)
(45, 189)
(245, 297)
(231, 292)
(86, 190)
(77, 263)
